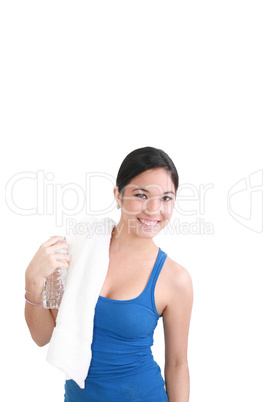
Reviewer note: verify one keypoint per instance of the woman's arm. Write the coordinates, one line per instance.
(176, 321)
(41, 321)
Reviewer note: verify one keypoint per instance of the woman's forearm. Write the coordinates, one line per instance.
(39, 320)
(177, 380)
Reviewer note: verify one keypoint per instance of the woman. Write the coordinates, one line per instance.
(141, 278)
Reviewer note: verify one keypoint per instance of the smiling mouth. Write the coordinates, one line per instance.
(148, 222)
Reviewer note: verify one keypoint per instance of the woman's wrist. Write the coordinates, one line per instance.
(33, 283)
(33, 303)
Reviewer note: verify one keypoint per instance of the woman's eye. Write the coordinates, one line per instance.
(166, 198)
(140, 195)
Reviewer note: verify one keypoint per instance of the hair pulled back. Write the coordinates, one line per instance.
(142, 159)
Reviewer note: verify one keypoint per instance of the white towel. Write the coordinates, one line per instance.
(70, 345)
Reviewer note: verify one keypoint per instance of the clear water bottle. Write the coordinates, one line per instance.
(54, 286)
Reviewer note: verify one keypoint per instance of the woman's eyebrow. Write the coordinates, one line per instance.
(147, 191)
(169, 192)
(141, 189)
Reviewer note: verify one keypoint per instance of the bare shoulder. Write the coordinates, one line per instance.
(178, 281)
(177, 313)
(178, 275)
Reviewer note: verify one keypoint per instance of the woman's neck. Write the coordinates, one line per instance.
(129, 242)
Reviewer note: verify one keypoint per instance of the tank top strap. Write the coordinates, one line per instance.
(161, 258)
(149, 298)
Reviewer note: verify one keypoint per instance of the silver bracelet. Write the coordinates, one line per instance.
(31, 293)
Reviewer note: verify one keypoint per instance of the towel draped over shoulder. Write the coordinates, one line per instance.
(70, 346)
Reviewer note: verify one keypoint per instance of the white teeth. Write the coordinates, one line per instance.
(148, 224)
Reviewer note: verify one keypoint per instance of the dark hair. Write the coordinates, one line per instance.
(142, 159)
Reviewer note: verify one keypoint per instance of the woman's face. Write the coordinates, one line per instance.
(147, 203)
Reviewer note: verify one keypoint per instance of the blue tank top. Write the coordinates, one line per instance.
(122, 366)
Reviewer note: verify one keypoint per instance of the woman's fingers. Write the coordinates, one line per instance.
(62, 256)
(61, 264)
(55, 244)
(60, 246)
(54, 240)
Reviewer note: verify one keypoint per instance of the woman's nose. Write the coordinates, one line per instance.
(152, 206)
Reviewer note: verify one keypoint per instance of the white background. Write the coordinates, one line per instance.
(85, 83)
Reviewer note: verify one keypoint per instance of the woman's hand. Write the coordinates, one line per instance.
(45, 261)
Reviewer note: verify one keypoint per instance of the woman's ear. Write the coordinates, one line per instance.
(117, 197)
